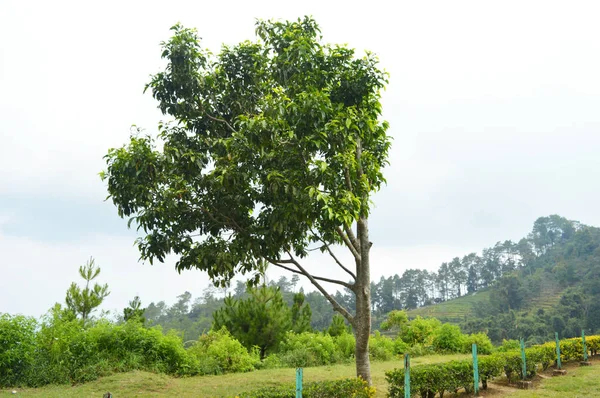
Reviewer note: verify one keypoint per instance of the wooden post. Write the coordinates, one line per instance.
(299, 383)
(585, 356)
(475, 370)
(406, 376)
(523, 359)
(558, 364)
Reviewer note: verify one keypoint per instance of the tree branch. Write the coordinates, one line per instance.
(348, 243)
(351, 236)
(326, 246)
(338, 282)
(336, 306)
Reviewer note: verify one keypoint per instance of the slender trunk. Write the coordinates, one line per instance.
(363, 304)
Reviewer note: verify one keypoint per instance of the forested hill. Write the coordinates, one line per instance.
(548, 280)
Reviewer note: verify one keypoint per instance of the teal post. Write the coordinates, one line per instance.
(558, 364)
(406, 376)
(475, 370)
(299, 383)
(585, 357)
(524, 370)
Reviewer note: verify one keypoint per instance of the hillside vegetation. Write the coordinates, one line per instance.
(551, 284)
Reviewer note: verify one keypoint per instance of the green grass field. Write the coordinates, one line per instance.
(144, 384)
(579, 382)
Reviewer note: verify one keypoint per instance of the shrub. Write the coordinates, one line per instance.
(448, 339)
(218, 352)
(380, 347)
(509, 345)
(420, 330)
(351, 388)
(400, 347)
(345, 345)
(17, 346)
(307, 349)
(484, 344)
(489, 367)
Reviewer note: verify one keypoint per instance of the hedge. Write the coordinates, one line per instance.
(429, 380)
(351, 388)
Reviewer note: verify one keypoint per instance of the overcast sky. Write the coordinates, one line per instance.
(494, 109)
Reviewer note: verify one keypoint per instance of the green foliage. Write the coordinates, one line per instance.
(17, 348)
(345, 344)
(275, 145)
(381, 348)
(260, 320)
(420, 331)
(338, 326)
(448, 339)
(351, 388)
(301, 314)
(484, 344)
(308, 349)
(218, 352)
(400, 347)
(395, 319)
(134, 312)
(509, 345)
(84, 301)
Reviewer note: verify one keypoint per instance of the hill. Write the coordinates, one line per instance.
(551, 283)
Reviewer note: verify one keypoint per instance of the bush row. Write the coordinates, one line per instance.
(429, 380)
(351, 388)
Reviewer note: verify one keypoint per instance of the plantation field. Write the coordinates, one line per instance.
(459, 309)
(452, 310)
(145, 384)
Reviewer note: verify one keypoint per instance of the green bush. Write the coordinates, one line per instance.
(448, 339)
(351, 388)
(271, 361)
(17, 349)
(345, 345)
(218, 352)
(400, 347)
(484, 344)
(420, 331)
(381, 348)
(490, 366)
(308, 349)
(509, 345)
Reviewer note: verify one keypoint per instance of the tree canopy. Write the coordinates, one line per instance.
(274, 150)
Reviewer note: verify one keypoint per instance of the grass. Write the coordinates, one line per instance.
(144, 384)
(579, 382)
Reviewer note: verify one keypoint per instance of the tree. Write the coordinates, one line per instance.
(276, 149)
(301, 314)
(84, 301)
(134, 312)
(260, 320)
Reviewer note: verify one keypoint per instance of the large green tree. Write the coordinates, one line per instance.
(275, 149)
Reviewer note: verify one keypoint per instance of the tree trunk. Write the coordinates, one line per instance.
(363, 304)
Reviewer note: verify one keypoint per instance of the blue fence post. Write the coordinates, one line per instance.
(475, 370)
(523, 359)
(299, 383)
(558, 364)
(406, 376)
(585, 356)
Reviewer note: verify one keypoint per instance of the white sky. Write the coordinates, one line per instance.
(493, 108)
